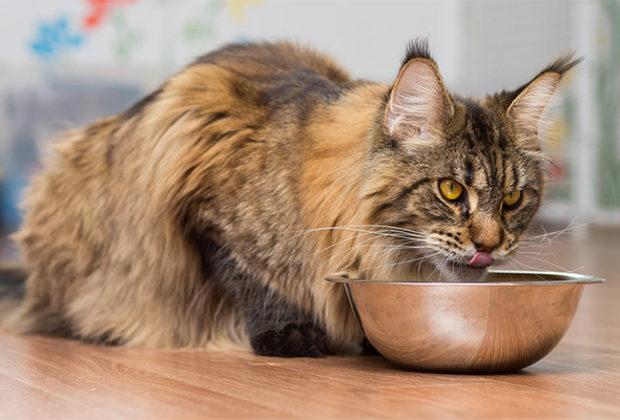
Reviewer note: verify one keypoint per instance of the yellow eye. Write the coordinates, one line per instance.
(512, 200)
(450, 189)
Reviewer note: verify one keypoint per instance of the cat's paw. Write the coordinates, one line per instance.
(293, 340)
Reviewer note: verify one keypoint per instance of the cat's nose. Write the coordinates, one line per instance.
(486, 232)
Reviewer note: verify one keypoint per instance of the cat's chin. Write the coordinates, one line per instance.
(439, 271)
(463, 274)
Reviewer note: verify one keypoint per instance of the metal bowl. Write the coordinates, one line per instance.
(508, 322)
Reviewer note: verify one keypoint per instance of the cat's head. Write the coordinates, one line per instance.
(463, 175)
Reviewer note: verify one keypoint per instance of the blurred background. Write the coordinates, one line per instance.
(66, 62)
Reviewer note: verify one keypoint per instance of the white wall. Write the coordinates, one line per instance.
(367, 37)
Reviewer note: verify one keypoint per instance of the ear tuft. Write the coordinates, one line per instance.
(418, 48)
(562, 64)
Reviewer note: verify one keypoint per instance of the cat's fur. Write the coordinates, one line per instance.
(203, 214)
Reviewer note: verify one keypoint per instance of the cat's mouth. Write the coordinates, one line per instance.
(450, 266)
(477, 259)
(444, 265)
(456, 270)
(480, 259)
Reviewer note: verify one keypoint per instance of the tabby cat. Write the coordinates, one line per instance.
(211, 211)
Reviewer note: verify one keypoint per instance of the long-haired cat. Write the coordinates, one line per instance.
(212, 210)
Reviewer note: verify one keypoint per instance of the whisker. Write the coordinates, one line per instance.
(389, 227)
(403, 262)
(358, 245)
(512, 263)
(554, 234)
(383, 232)
(400, 247)
(342, 241)
(536, 253)
(433, 272)
(354, 228)
(361, 244)
(443, 267)
(554, 265)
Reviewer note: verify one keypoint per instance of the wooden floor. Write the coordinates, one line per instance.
(49, 378)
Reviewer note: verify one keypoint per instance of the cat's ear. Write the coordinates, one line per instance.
(532, 99)
(418, 100)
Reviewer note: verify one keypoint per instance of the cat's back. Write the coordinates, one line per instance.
(245, 102)
(268, 61)
(271, 77)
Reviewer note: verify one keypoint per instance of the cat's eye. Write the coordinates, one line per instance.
(450, 189)
(512, 200)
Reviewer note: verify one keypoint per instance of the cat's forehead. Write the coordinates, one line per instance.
(477, 124)
(481, 153)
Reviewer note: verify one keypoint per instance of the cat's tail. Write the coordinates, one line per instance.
(12, 289)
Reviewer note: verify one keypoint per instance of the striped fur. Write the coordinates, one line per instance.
(211, 211)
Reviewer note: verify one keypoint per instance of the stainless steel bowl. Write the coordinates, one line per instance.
(505, 323)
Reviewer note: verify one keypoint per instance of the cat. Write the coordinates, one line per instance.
(211, 211)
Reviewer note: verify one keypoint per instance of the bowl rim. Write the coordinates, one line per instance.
(568, 278)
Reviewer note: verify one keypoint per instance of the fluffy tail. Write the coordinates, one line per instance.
(12, 289)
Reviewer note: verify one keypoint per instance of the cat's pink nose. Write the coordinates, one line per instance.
(480, 260)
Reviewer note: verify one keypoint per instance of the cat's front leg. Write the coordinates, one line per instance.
(277, 328)
(294, 339)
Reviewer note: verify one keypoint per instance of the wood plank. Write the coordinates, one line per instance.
(80, 374)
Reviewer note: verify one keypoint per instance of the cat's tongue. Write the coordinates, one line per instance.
(480, 260)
